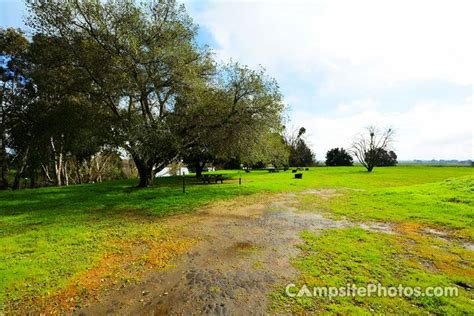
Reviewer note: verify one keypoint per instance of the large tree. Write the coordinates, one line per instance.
(387, 158)
(46, 123)
(68, 127)
(367, 146)
(138, 58)
(234, 115)
(300, 153)
(269, 149)
(15, 95)
(338, 157)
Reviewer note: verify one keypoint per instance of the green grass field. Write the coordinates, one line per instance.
(52, 238)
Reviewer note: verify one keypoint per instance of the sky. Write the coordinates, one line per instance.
(346, 65)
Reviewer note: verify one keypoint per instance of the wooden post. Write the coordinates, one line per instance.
(240, 180)
(184, 185)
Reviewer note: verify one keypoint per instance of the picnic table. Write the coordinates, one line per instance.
(207, 178)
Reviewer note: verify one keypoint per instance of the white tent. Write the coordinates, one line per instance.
(167, 172)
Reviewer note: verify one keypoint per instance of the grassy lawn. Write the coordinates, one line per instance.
(355, 256)
(55, 240)
(447, 205)
(430, 245)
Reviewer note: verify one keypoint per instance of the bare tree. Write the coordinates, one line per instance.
(367, 148)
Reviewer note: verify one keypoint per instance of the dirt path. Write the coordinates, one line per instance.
(244, 251)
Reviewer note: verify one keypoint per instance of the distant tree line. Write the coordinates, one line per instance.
(443, 162)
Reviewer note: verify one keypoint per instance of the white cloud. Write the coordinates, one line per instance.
(358, 41)
(356, 106)
(428, 130)
(359, 47)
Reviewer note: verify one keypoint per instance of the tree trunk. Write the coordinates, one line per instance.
(145, 172)
(199, 167)
(20, 169)
(3, 169)
(146, 177)
(16, 181)
(78, 173)
(58, 166)
(65, 171)
(3, 153)
(58, 162)
(3, 164)
(198, 170)
(32, 178)
(46, 174)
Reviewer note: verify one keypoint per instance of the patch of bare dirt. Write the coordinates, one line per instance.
(323, 193)
(244, 251)
(379, 227)
(434, 232)
(446, 237)
(468, 246)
